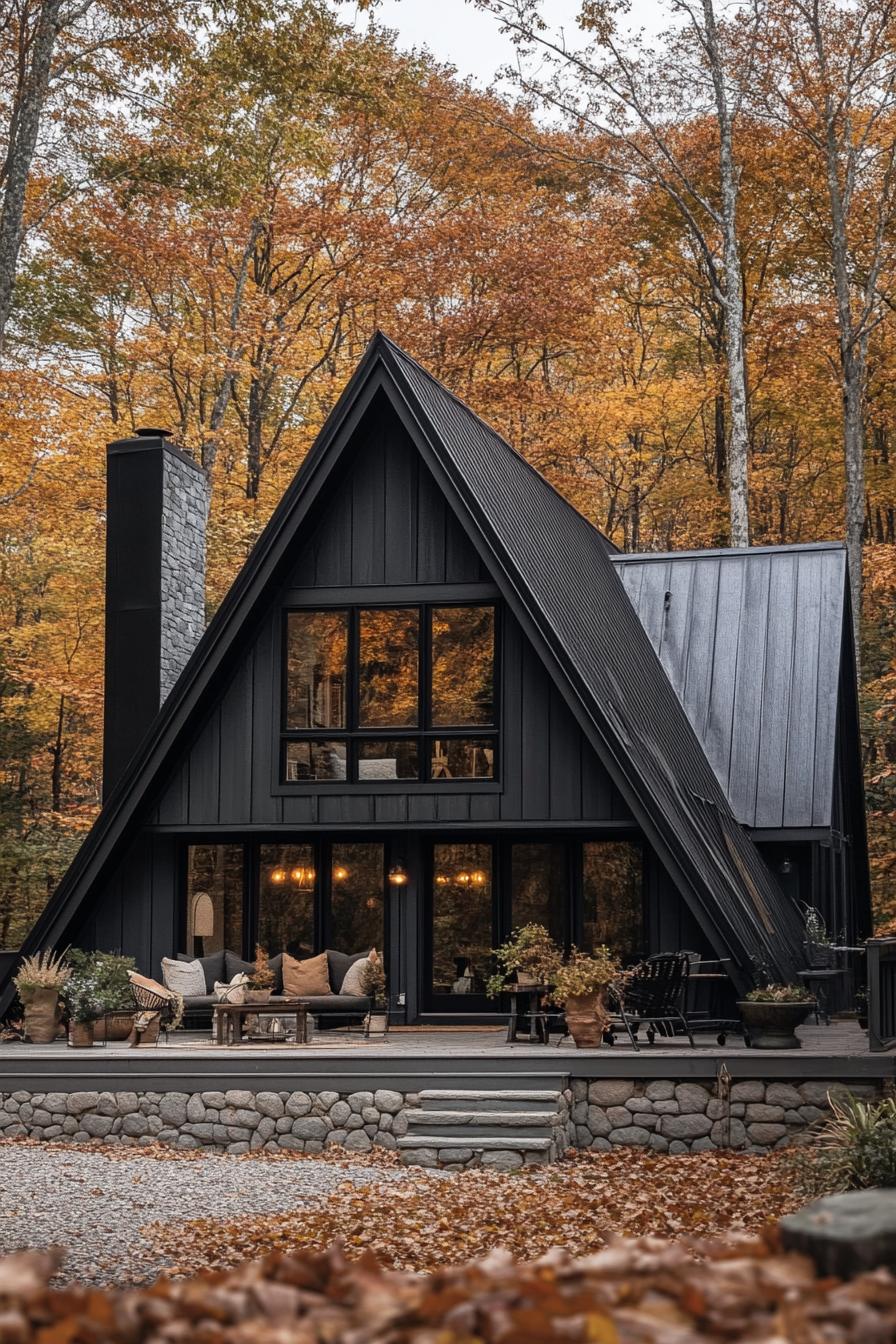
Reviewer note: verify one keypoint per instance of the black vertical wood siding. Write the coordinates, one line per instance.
(388, 525)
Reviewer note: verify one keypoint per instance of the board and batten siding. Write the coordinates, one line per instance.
(548, 771)
(387, 526)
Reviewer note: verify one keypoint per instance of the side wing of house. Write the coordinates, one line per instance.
(758, 646)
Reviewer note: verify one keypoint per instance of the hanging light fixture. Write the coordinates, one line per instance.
(478, 878)
(442, 879)
(340, 873)
(303, 877)
(278, 875)
(463, 879)
(398, 876)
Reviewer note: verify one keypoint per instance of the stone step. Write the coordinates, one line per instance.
(498, 1123)
(444, 1099)
(480, 1145)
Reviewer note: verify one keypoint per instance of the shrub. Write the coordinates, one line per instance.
(855, 1149)
(584, 974)
(779, 994)
(98, 984)
(529, 949)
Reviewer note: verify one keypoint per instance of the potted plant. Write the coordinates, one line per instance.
(821, 950)
(530, 956)
(261, 978)
(772, 1013)
(862, 1007)
(114, 990)
(373, 983)
(86, 995)
(581, 985)
(39, 982)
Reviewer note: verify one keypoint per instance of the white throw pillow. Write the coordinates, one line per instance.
(354, 977)
(185, 977)
(235, 992)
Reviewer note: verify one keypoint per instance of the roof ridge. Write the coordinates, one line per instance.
(735, 552)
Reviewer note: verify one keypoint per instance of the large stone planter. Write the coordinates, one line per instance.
(586, 1018)
(772, 1026)
(42, 1015)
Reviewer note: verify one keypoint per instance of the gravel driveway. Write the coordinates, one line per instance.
(94, 1204)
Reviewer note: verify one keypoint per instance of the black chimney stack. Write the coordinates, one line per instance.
(156, 513)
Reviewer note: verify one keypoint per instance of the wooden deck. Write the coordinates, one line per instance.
(410, 1059)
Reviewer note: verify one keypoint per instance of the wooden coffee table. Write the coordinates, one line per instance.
(230, 1019)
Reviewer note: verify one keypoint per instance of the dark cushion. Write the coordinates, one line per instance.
(199, 1001)
(337, 1003)
(276, 965)
(212, 966)
(338, 964)
(234, 964)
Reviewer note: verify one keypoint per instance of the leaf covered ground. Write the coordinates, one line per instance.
(647, 1291)
(429, 1220)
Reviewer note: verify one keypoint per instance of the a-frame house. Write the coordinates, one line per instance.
(436, 704)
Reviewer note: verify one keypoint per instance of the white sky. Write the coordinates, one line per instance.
(457, 32)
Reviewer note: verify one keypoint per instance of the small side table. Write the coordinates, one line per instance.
(531, 1007)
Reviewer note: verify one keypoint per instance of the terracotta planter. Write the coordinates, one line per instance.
(587, 1018)
(114, 1026)
(258, 995)
(772, 1026)
(42, 1016)
(80, 1035)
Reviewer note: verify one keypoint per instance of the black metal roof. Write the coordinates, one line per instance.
(752, 641)
(555, 571)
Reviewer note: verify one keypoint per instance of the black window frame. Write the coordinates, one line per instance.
(423, 733)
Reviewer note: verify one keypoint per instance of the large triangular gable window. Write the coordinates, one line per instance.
(389, 694)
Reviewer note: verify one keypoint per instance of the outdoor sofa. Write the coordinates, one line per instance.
(330, 1010)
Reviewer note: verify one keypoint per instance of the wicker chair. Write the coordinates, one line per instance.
(655, 995)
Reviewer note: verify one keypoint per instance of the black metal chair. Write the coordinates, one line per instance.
(654, 996)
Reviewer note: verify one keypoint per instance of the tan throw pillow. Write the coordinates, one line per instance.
(235, 991)
(305, 979)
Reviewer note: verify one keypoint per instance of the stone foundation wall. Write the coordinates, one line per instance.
(672, 1117)
(662, 1114)
(235, 1121)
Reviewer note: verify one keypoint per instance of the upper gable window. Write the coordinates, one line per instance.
(389, 694)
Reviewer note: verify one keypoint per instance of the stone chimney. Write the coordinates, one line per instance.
(156, 512)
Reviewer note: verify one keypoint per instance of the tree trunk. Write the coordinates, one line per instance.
(253, 419)
(25, 123)
(56, 752)
(738, 442)
(854, 453)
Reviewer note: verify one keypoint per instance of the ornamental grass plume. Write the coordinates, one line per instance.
(41, 970)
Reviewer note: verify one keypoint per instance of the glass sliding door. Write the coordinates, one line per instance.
(463, 926)
(357, 904)
(539, 888)
(287, 888)
(613, 898)
(215, 889)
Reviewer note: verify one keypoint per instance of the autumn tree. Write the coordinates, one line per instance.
(636, 106)
(831, 81)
